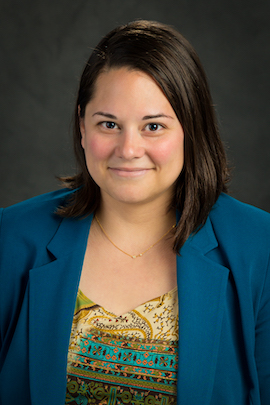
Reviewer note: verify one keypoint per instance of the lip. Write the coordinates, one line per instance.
(128, 171)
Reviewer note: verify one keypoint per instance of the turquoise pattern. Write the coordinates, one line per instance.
(110, 369)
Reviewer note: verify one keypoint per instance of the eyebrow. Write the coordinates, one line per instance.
(146, 117)
(107, 115)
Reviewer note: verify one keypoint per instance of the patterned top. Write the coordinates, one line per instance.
(126, 359)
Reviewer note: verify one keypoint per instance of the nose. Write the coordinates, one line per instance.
(130, 145)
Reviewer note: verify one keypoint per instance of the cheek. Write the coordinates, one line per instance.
(97, 149)
(169, 152)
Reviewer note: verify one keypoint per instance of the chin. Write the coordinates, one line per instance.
(137, 198)
(131, 199)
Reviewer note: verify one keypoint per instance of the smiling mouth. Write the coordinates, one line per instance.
(129, 172)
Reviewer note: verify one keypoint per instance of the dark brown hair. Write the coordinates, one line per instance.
(165, 55)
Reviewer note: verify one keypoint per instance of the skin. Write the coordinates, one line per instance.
(134, 148)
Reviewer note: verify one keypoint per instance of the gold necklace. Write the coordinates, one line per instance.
(132, 256)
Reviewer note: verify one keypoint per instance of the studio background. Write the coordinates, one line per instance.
(44, 46)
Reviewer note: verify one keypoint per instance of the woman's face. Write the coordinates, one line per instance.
(133, 141)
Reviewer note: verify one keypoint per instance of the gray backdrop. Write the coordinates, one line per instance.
(44, 45)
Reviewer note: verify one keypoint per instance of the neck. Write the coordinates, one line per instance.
(135, 225)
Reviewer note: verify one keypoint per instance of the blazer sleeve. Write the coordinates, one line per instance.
(262, 340)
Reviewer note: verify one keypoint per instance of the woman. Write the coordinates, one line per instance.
(167, 274)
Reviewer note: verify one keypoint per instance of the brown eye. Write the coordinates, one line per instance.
(153, 127)
(109, 124)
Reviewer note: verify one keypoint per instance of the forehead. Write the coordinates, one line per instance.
(128, 88)
(122, 75)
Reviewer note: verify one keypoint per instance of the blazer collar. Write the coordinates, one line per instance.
(69, 236)
(202, 241)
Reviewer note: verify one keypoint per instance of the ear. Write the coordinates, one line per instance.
(82, 126)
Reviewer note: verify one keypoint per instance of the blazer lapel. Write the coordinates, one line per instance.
(52, 296)
(202, 289)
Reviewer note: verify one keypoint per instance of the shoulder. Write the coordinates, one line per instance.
(31, 212)
(32, 220)
(52, 198)
(238, 214)
(235, 210)
(231, 205)
(237, 223)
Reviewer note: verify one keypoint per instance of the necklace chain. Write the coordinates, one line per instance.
(132, 256)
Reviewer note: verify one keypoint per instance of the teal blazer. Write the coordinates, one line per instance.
(224, 304)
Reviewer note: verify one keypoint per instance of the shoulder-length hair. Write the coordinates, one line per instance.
(165, 55)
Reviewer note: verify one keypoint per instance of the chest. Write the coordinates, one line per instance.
(120, 283)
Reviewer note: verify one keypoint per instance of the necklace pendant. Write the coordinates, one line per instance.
(134, 257)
